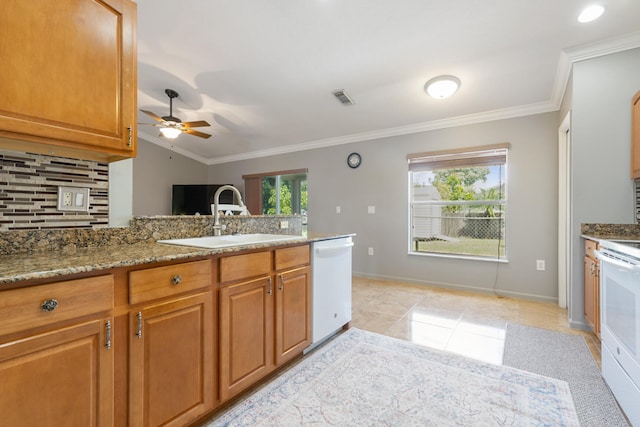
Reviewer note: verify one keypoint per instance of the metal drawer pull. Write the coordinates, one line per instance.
(281, 282)
(270, 291)
(107, 343)
(139, 331)
(49, 305)
(177, 279)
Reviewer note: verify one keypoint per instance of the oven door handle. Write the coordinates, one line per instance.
(602, 256)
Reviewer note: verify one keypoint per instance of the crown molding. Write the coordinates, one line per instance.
(507, 113)
(603, 47)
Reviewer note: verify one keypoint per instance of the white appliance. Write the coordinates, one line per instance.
(331, 281)
(620, 322)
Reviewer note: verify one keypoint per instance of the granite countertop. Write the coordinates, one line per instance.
(19, 267)
(599, 232)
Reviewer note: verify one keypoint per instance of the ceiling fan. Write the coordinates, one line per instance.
(171, 126)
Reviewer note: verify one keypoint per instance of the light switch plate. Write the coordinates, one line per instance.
(73, 199)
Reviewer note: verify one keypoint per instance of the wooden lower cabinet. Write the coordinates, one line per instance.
(592, 287)
(592, 294)
(292, 313)
(56, 354)
(265, 320)
(157, 346)
(246, 334)
(59, 378)
(171, 362)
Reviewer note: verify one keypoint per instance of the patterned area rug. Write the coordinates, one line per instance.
(366, 379)
(565, 357)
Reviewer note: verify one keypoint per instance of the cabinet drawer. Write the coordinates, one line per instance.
(292, 257)
(239, 267)
(36, 306)
(161, 282)
(589, 247)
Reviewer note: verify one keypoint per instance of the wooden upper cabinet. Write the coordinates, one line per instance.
(69, 78)
(635, 136)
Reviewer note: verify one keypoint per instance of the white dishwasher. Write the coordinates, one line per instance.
(331, 275)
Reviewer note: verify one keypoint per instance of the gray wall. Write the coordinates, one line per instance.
(155, 170)
(602, 190)
(382, 181)
(599, 97)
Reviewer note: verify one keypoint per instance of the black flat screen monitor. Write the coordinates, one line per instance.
(197, 199)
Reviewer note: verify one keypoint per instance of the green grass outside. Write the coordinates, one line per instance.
(465, 246)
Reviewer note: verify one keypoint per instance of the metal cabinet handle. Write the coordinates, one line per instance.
(130, 139)
(49, 305)
(281, 282)
(270, 290)
(107, 343)
(176, 280)
(139, 331)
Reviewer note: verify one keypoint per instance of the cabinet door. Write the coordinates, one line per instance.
(59, 378)
(293, 313)
(590, 297)
(596, 298)
(170, 364)
(71, 84)
(246, 334)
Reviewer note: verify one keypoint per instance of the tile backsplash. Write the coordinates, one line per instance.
(29, 191)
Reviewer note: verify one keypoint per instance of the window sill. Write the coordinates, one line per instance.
(461, 257)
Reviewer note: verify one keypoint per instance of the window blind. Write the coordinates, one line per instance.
(493, 155)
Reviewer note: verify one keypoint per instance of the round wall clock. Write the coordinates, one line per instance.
(354, 160)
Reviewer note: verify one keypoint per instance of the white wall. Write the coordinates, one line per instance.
(155, 170)
(381, 181)
(120, 193)
(602, 190)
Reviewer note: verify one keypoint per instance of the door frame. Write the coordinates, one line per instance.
(564, 211)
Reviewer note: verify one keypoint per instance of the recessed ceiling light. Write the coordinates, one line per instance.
(442, 86)
(591, 13)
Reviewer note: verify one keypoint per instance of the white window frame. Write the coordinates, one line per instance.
(492, 155)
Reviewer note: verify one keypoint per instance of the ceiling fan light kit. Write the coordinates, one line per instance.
(171, 127)
(442, 87)
(170, 132)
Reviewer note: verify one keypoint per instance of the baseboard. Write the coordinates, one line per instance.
(459, 287)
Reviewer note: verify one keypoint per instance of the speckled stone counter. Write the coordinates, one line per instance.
(38, 254)
(142, 230)
(72, 260)
(610, 231)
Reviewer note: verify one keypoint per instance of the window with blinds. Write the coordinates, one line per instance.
(458, 202)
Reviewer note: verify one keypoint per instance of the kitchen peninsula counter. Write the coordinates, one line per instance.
(73, 260)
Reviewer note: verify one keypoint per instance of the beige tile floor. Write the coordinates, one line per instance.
(467, 323)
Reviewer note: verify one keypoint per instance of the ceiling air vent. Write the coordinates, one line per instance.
(343, 97)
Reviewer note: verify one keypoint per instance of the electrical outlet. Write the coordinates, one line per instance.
(370, 251)
(284, 225)
(338, 209)
(73, 199)
(66, 198)
(540, 265)
(371, 209)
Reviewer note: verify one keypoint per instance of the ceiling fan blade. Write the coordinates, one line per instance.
(153, 115)
(196, 124)
(196, 133)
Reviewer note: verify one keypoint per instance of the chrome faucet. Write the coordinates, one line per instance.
(217, 228)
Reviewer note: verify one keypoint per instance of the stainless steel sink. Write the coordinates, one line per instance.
(214, 242)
